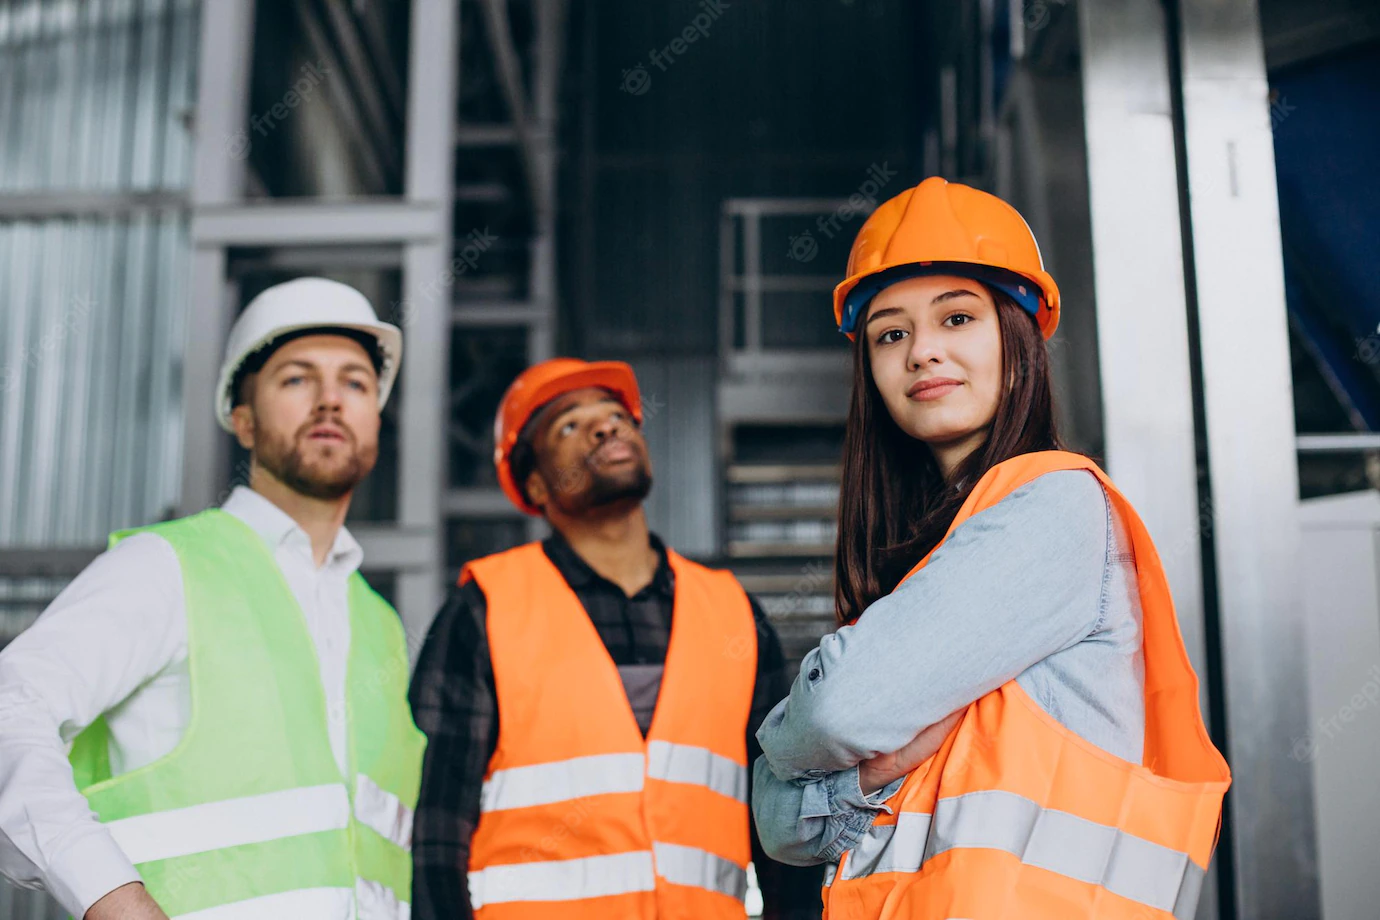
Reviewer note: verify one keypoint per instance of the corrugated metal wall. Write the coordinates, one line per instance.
(96, 102)
(678, 410)
(96, 99)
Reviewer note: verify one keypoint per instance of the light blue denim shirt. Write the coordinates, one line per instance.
(1041, 587)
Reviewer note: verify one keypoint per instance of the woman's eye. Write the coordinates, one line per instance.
(891, 335)
(961, 319)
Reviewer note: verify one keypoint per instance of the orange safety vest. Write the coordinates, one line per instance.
(1017, 817)
(581, 818)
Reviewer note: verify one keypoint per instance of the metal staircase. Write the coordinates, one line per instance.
(782, 401)
(781, 530)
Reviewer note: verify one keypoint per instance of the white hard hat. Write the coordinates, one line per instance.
(304, 303)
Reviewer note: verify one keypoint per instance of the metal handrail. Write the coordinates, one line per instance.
(1342, 442)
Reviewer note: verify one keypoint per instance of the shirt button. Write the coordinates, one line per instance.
(814, 674)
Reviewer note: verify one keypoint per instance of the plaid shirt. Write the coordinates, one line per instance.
(454, 702)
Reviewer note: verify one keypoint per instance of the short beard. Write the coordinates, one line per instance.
(604, 490)
(283, 459)
(600, 490)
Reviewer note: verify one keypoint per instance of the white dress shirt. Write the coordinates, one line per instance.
(114, 642)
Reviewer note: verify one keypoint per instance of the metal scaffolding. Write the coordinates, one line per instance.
(417, 224)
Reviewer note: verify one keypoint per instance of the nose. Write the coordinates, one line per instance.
(925, 348)
(607, 427)
(328, 397)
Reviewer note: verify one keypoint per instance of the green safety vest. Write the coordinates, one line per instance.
(249, 817)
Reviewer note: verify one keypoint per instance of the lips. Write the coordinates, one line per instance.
(612, 452)
(933, 388)
(326, 433)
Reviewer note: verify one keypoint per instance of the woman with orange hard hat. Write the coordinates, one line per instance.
(1006, 724)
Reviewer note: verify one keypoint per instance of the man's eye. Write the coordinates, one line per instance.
(358, 385)
(567, 429)
(294, 379)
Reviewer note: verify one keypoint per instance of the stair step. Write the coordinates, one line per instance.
(753, 549)
(797, 583)
(497, 313)
(751, 512)
(794, 606)
(487, 287)
(492, 135)
(783, 472)
(482, 192)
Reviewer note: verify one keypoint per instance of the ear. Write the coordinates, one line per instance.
(242, 417)
(537, 492)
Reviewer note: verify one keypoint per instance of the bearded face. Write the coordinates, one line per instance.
(322, 459)
(311, 418)
(590, 455)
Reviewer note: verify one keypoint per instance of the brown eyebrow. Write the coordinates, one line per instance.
(950, 295)
(889, 311)
(299, 362)
(307, 365)
(946, 296)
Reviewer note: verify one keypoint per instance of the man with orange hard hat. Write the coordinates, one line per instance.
(591, 699)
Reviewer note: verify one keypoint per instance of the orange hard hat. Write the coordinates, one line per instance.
(944, 228)
(537, 386)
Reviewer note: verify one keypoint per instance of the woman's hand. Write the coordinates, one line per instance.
(876, 773)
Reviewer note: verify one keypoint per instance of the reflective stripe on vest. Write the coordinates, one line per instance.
(682, 763)
(600, 876)
(681, 865)
(548, 783)
(1126, 865)
(383, 812)
(564, 879)
(232, 823)
(602, 774)
(373, 901)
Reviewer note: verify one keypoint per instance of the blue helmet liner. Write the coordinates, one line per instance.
(1019, 288)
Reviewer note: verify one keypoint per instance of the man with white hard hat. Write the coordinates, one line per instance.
(233, 692)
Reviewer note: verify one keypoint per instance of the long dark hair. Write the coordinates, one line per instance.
(895, 505)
